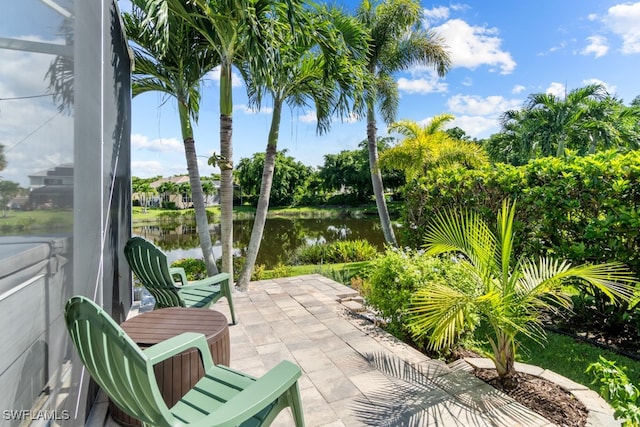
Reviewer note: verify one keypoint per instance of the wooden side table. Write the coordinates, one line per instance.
(180, 373)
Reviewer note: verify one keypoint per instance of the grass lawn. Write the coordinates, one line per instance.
(570, 357)
(33, 221)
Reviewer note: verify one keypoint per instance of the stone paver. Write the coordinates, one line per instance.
(355, 374)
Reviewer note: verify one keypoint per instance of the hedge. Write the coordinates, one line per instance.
(583, 209)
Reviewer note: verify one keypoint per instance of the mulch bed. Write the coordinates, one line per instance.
(542, 396)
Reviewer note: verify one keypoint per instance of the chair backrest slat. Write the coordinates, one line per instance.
(151, 267)
(116, 363)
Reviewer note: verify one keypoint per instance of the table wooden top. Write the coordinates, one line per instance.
(152, 327)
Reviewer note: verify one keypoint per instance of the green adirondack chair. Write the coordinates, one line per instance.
(222, 398)
(150, 265)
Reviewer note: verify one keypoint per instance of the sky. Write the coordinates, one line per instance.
(501, 50)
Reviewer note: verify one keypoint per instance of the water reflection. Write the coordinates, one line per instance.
(280, 239)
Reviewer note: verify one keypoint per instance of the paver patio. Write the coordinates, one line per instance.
(354, 374)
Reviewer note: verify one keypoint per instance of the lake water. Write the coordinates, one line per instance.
(281, 238)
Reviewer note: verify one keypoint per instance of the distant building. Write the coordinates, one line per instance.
(181, 200)
(52, 188)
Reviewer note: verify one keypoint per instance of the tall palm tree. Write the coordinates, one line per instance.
(610, 124)
(146, 190)
(426, 146)
(208, 190)
(240, 32)
(323, 65)
(510, 295)
(176, 71)
(184, 189)
(397, 42)
(552, 120)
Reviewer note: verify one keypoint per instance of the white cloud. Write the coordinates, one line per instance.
(236, 79)
(351, 118)
(163, 145)
(556, 89)
(249, 110)
(611, 89)
(35, 136)
(474, 126)
(473, 46)
(148, 169)
(479, 106)
(623, 19)
(467, 81)
(459, 7)
(436, 14)
(477, 126)
(560, 46)
(421, 85)
(308, 117)
(479, 116)
(597, 46)
(518, 89)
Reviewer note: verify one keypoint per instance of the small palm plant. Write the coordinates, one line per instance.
(510, 295)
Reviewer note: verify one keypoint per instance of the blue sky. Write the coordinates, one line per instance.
(501, 51)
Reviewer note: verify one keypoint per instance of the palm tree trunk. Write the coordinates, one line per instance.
(504, 357)
(197, 197)
(376, 179)
(560, 151)
(226, 169)
(202, 223)
(268, 171)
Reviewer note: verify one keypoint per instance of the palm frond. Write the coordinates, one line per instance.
(441, 312)
(466, 233)
(505, 232)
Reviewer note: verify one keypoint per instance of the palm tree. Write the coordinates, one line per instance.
(208, 190)
(553, 120)
(396, 43)
(610, 124)
(166, 189)
(321, 65)
(510, 295)
(176, 71)
(240, 32)
(146, 190)
(184, 190)
(428, 146)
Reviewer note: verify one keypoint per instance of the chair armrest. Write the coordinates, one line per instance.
(221, 278)
(179, 271)
(257, 396)
(212, 280)
(176, 345)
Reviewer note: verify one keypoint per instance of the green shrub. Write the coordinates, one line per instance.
(258, 272)
(616, 388)
(281, 270)
(336, 252)
(311, 254)
(394, 277)
(195, 269)
(170, 216)
(582, 209)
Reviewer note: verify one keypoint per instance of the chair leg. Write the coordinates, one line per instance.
(230, 300)
(296, 405)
